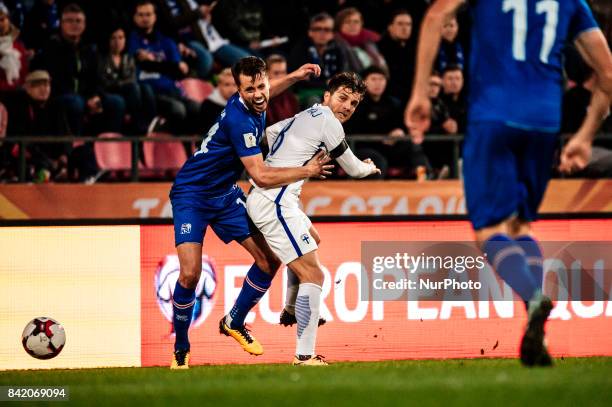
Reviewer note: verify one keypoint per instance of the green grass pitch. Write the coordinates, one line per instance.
(489, 382)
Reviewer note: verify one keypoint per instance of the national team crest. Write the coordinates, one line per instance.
(306, 238)
(185, 228)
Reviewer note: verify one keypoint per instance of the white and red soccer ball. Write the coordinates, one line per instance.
(43, 338)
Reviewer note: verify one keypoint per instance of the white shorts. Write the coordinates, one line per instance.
(286, 229)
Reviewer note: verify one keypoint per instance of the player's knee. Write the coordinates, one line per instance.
(268, 263)
(190, 274)
(314, 275)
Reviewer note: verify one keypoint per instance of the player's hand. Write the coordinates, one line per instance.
(575, 155)
(417, 116)
(305, 71)
(318, 166)
(373, 168)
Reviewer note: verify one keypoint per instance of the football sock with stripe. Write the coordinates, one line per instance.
(535, 260)
(255, 285)
(183, 300)
(307, 306)
(510, 262)
(293, 285)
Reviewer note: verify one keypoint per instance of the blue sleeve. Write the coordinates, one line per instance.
(582, 20)
(243, 136)
(171, 51)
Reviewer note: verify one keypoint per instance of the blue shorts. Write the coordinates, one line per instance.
(506, 171)
(225, 214)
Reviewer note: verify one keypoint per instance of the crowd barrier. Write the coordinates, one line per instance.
(110, 288)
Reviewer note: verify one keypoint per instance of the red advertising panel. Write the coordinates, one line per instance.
(360, 330)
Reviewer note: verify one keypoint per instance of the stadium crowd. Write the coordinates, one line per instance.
(83, 68)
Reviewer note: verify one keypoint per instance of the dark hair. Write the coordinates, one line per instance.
(72, 8)
(373, 69)
(451, 67)
(348, 80)
(275, 59)
(320, 17)
(141, 3)
(398, 12)
(248, 66)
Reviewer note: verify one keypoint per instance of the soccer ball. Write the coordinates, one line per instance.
(43, 338)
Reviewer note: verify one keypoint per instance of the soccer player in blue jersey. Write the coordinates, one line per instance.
(514, 112)
(205, 194)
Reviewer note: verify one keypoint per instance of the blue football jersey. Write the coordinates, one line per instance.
(516, 59)
(215, 167)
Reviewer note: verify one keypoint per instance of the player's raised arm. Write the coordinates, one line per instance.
(278, 86)
(417, 114)
(270, 177)
(353, 166)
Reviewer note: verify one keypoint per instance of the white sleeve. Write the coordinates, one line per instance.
(332, 133)
(353, 166)
(273, 131)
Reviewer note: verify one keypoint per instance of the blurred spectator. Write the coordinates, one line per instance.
(73, 65)
(192, 24)
(321, 48)
(117, 75)
(349, 25)
(379, 113)
(32, 113)
(441, 122)
(216, 101)
(158, 64)
(399, 51)
(41, 22)
(453, 96)
(451, 51)
(17, 11)
(13, 60)
(286, 104)
(240, 21)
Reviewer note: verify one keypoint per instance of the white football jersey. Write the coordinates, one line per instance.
(296, 140)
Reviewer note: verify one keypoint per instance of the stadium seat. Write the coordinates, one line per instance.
(196, 89)
(164, 155)
(113, 156)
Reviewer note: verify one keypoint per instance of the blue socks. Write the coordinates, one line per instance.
(534, 258)
(510, 262)
(182, 304)
(255, 285)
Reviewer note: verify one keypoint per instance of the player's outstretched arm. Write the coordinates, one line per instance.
(278, 86)
(355, 167)
(271, 177)
(593, 47)
(577, 152)
(417, 114)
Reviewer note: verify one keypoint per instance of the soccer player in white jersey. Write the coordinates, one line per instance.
(276, 213)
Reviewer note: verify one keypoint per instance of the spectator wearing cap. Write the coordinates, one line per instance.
(380, 113)
(33, 113)
(216, 101)
(398, 48)
(73, 65)
(13, 58)
(286, 104)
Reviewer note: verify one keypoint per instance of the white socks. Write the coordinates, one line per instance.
(307, 314)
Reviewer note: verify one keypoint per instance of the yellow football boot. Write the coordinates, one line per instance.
(243, 337)
(180, 360)
(317, 360)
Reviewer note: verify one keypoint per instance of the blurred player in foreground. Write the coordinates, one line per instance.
(514, 113)
(276, 212)
(205, 193)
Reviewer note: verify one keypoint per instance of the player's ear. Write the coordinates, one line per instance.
(326, 96)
